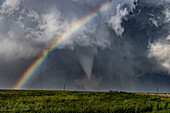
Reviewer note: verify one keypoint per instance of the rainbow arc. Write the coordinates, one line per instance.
(74, 27)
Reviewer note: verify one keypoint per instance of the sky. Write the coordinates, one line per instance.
(126, 47)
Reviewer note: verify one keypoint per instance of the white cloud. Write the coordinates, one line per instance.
(160, 50)
(13, 50)
(9, 6)
(116, 21)
(52, 25)
(167, 15)
(38, 28)
(154, 22)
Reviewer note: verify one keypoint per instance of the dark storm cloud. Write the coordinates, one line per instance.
(121, 45)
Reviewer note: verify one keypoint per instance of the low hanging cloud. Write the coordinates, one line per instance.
(38, 29)
(160, 50)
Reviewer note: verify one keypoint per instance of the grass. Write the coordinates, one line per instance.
(82, 102)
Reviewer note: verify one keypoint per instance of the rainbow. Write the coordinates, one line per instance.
(74, 27)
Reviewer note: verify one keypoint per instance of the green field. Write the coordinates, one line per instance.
(82, 101)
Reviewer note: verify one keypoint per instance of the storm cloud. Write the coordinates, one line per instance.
(124, 48)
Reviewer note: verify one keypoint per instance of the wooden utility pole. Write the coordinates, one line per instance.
(157, 90)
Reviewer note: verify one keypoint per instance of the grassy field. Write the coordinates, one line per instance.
(79, 101)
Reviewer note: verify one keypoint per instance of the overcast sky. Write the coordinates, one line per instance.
(124, 48)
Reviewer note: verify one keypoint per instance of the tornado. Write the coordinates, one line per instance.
(86, 59)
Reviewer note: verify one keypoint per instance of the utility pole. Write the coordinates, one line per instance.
(64, 87)
(157, 89)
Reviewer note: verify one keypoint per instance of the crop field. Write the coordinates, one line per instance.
(82, 101)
